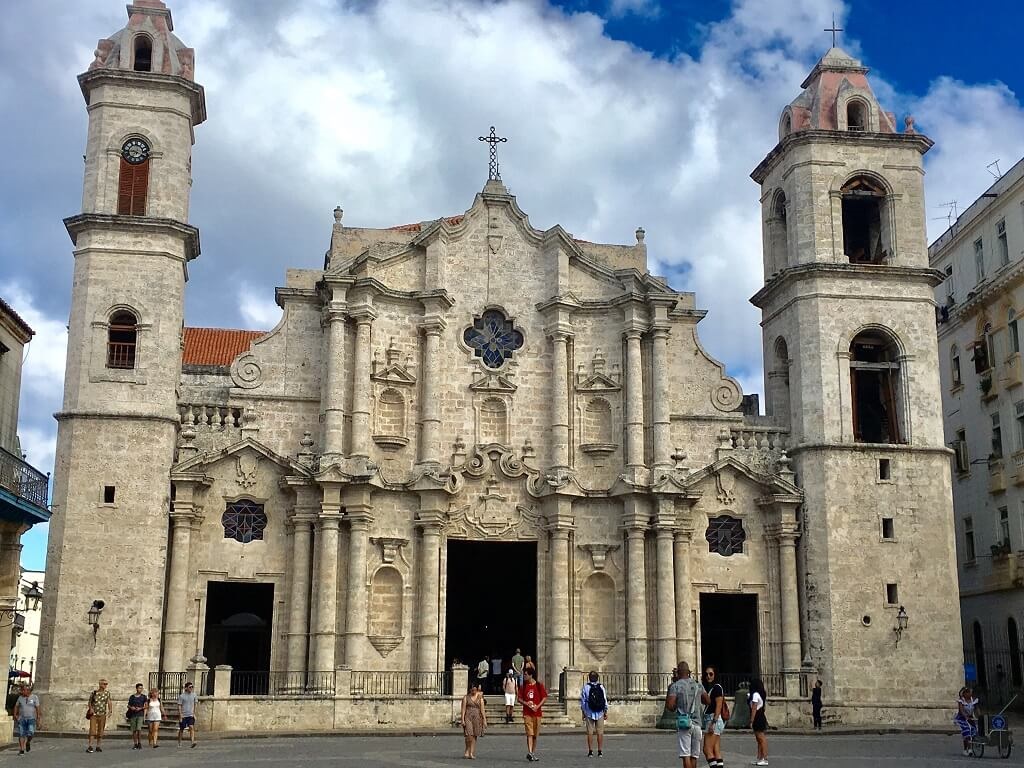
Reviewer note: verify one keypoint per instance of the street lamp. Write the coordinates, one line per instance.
(94, 617)
(33, 596)
(901, 623)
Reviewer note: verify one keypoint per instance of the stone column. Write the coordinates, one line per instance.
(333, 392)
(789, 604)
(325, 633)
(559, 399)
(666, 586)
(634, 420)
(176, 631)
(298, 602)
(559, 515)
(635, 523)
(430, 519)
(358, 514)
(685, 650)
(661, 436)
(361, 388)
(430, 407)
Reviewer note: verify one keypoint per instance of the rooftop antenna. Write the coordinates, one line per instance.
(998, 174)
(952, 212)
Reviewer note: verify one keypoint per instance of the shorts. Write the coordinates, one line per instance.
(717, 728)
(594, 726)
(689, 742)
(510, 699)
(135, 722)
(187, 722)
(97, 725)
(26, 727)
(532, 725)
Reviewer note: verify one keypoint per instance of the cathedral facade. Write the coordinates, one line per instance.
(470, 435)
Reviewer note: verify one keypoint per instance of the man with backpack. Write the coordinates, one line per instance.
(594, 703)
(687, 698)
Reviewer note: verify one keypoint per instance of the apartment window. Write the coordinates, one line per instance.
(1003, 533)
(950, 292)
(1018, 408)
(982, 348)
(1012, 332)
(969, 554)
(979, 259)
(997, 438)
(954, 363)
(963, 463)
(1001, 247)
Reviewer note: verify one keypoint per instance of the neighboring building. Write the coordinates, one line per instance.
(26, 644)
(980, 306)
(23, 488)
(468, 435)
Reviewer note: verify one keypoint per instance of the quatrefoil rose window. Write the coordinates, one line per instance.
(493, 338)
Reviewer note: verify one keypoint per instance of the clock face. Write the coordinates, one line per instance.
(135, 151)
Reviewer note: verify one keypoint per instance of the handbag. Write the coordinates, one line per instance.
(88, 709)
(684, 720)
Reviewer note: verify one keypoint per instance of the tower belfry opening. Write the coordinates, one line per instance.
(863, 222)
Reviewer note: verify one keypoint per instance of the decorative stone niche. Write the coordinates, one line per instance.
(394, 387)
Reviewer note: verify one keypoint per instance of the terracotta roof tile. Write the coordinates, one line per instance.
(451, 220)
(215, 346)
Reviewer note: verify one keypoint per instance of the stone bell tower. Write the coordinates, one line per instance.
(851, 367)
(117, 426)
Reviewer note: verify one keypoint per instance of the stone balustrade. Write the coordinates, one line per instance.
(212, 416)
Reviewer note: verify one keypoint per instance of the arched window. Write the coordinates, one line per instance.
(244, 521)
(778, 383)
(876, 383)
(786, 125)
(143, 59)
(122, 337)
(979, 655)
(856, 115)
(1013, 642)
(133, 181)
(866, 225)
(779, 233)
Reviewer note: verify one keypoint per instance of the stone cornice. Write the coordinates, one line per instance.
(816, 136)
(135, 224)
(932, 277)
(152, 80)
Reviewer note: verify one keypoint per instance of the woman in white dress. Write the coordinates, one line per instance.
(154, 716)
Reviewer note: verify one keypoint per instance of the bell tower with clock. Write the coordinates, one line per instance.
(118, 423)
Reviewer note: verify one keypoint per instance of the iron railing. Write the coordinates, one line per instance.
(278, 683)
(378, 683)
(622, 685)
(172, 684)
(24, 480)
(998, 675)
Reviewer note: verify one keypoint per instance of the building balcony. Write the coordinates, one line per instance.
(1007, 570)
(1018, 468)
(988, 383)
(1012, 374)
(996, 476)
(24, 491)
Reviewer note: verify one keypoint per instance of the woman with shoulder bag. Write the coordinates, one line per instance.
(757, 699)
(714, 718)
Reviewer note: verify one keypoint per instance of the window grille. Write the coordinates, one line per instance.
(244, 521)
(493, 338)
(725, 535)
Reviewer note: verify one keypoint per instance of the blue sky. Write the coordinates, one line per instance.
(620, 113)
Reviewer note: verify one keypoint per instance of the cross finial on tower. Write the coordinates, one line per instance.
(492, 166)
(833, 29)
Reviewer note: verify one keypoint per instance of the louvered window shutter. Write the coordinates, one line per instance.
(132, 187)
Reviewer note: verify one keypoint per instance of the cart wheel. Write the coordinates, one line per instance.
(1004, 749)
(978, 747)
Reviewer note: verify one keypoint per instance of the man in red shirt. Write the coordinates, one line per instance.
(533, 695)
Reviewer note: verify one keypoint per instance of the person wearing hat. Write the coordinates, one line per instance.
(511, 688)
(187, 704)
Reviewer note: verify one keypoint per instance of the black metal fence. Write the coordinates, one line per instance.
(625, 685)
(385, 684)
(23, 480)
(277, 683)
(172, 684)
(998, 675)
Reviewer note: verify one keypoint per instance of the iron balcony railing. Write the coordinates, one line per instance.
(24, 480)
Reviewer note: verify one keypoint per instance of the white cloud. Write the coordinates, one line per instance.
(258, 312)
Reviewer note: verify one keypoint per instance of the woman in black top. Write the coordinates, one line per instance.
(816, 704)
(713, 722)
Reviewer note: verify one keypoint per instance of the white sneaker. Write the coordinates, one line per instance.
(763, 761)
(967, 753)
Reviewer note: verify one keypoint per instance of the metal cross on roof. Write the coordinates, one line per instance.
(492, 166)
(833, 29)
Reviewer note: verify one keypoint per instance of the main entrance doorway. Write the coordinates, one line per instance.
(728, 636)
(239, 624)
(492, 601)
